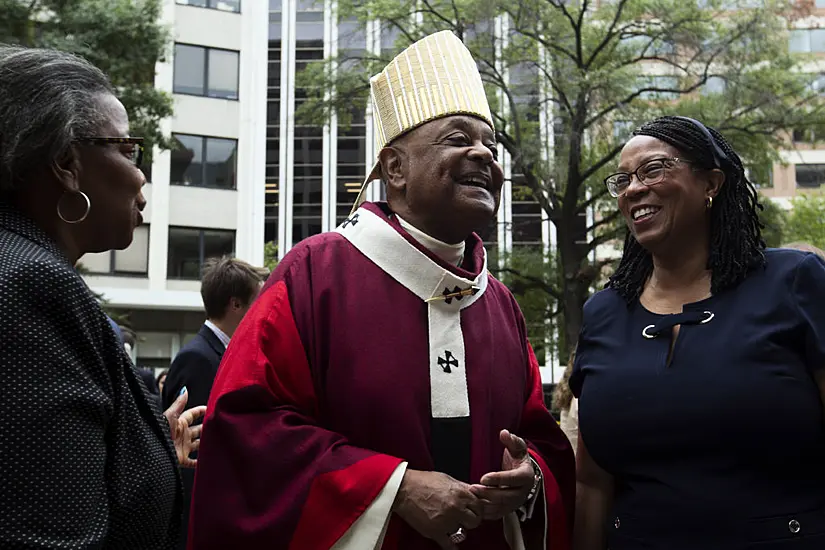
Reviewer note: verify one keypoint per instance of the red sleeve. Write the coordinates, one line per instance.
(269, 476)
(552, 451)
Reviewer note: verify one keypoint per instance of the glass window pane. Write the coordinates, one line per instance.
(198, 3)
(187, 161)
(226, 5)
(189, 69)
(714, 85)
(810, 176)
(352, 35)
(303, 228)
(134, 259)
(97, 263)
(221, 163)
(309, 33)
(818, 84)
(273, 112)
(184, 253)
(389, 37)
(223, 74)
(818, 40)
(218, 243)
(274, 5)
(275, 26)
(799, 41)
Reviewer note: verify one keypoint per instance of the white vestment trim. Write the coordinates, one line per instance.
(398, 258)
(367, 533)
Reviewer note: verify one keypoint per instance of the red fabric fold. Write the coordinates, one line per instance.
(266, 469)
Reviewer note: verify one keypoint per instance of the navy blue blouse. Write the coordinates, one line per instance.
(724, 446)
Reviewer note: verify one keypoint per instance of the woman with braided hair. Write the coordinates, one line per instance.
(700, 368)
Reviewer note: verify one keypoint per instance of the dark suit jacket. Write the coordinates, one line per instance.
(195, 367)
(86, 459)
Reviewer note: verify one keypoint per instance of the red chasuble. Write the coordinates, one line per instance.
(365, 355)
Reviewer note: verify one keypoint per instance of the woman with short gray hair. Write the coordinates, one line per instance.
(86, 461)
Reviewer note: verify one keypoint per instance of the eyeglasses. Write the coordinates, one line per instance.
(135, 155)
(649, 173)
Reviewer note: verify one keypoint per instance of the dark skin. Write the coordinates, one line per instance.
(443, 179)
(113, 184)
(111, 181)
(428, 174)
(678, 234)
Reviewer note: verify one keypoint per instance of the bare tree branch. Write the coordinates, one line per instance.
(599, 240)
(582, 208)
(535, 282)
(602, 161)
(607, 220)
(609, 35)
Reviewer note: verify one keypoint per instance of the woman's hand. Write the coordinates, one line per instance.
(185, 436)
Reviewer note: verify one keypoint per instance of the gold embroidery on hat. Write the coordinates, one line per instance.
(427, 101)
(438, 87)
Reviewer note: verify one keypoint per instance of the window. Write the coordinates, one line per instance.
(663, 86)
(806, 40)
(273, 125)
(714, 85)
(133, 261)
(527, 214)
(189, 248)
(803, 135)
(200, 161)
(810, 176)
(308, 161)
(222, 5)
(623, 129)
(206, 72)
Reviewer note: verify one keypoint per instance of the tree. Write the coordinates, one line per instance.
(270, 255)
(525, 272)
(121, 37)
(774, 219)
(582, 75)
(806, 221)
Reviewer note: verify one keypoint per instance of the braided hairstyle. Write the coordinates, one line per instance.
(736, 244)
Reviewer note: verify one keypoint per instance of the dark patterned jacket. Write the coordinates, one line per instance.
(85, 460)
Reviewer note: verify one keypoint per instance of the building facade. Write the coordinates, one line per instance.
(206, 195)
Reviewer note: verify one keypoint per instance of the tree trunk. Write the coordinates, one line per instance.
(576, 281)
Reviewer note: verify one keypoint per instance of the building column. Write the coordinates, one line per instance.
(249, 236)
(161, 171)
(287, 128)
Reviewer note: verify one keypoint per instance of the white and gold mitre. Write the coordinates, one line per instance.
(435, 77)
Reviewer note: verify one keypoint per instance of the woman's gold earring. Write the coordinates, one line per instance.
(709, 202)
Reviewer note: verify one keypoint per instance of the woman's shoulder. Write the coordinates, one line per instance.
(782, 266)
(606, 302)
(29, 270)
(785, 259)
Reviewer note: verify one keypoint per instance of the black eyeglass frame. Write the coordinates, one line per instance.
(663, 160)
(136, 141)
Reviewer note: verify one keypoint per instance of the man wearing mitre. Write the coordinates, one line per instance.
(381, 392)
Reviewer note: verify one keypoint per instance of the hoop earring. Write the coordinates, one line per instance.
(709, 203)
(85, 214)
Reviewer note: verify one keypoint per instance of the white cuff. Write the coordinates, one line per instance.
(367, 533)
